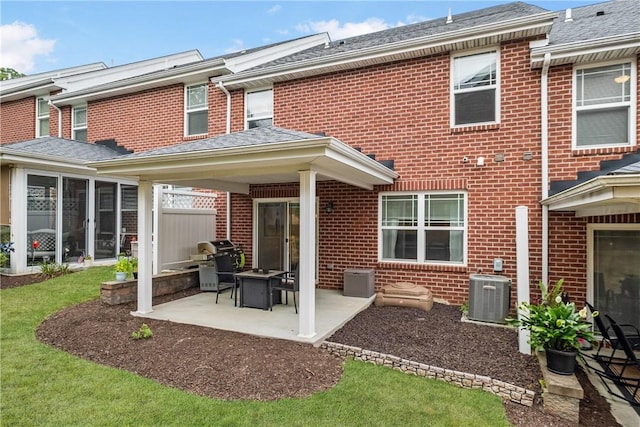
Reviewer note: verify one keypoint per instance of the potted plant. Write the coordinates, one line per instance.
(557, 327)
(88, 261)
(134, 267)
(123, 268)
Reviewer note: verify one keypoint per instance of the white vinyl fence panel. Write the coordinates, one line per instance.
(184, 219)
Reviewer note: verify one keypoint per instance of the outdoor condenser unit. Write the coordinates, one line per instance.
(489, 298)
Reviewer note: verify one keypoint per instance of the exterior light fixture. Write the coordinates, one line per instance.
(329, 207)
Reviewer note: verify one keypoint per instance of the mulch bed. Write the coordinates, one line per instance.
(195, 359)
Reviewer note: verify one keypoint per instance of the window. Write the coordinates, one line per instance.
(196, 110)
(42, 126)
(475, 94)
(259, 108)
(80, 123)
(423, 227)
(603, 105)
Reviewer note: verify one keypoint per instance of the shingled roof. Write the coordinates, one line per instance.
(70, 150)
(596, 21)
(439, 26)
(257, 136)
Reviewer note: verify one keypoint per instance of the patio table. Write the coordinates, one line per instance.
(255, 288)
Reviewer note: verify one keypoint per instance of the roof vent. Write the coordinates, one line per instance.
(567, 16)
(449, 17)
(600, 13)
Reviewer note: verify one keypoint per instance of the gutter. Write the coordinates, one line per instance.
(59, 118)
(544, 142)
(538, 21)
(220, 86)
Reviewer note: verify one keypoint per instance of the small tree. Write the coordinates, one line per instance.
(9, 73)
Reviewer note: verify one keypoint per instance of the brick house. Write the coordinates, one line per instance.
(407, 151)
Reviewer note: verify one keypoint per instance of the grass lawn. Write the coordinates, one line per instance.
(44, 386)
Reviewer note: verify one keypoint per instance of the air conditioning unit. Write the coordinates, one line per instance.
(489, 298)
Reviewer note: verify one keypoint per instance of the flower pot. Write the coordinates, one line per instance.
(121, 276)
(88, 263)
(561, 362)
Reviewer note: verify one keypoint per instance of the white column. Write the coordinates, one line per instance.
(307, 263)
(18, 200)
(145, 205)
(522, 266)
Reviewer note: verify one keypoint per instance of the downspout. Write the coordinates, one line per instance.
(228, 219)
(59, 118)
(544, 123)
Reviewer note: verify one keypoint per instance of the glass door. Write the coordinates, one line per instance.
(75, 217)
(42, 194)
(105, 220)
(278, 235)
(271, 231)
(616, 273)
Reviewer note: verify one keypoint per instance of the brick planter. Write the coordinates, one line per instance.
(114, 292)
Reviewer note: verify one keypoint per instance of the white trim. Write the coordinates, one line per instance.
(195, 110)
(453, 91)
(632, 104)
(489, 34)
(421, 228)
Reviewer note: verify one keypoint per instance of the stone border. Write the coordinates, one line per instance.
(462, 379)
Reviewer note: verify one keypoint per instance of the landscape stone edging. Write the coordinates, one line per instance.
(502, 389)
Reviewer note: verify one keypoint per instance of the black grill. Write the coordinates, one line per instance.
(227, 255)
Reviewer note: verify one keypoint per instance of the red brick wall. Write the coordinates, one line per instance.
(400, 111)
(150, 119)
(568, 234)
(565, 163)
(18, 120)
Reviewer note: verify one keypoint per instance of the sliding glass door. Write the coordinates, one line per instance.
(615, 267)
(277, 234)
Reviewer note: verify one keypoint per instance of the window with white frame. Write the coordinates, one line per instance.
(196, 110)
(604, 106)
(79, 124)
(423, 227)
(259, 108)
(42, 126)
(475, 89)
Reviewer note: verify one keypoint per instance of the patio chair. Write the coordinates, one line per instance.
(288, 282)
(215, 277)
(623, 372)
(630, 332)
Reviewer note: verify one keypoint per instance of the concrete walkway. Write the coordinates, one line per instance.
(623, 412)
(332, 311)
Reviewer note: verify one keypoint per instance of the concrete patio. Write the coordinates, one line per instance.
(332, 311)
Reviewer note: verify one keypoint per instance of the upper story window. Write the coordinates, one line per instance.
(259, 108)
(475, 89)
(42, 119)
(604, 112)
(79, 123)
(196, 110)
(423, 227)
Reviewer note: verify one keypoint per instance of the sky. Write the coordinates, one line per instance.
(37, 36)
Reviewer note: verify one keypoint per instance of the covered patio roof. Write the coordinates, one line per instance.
(615, 193)
(232, 162)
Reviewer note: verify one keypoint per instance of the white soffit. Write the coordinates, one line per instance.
(234, 169)
(604, 195)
